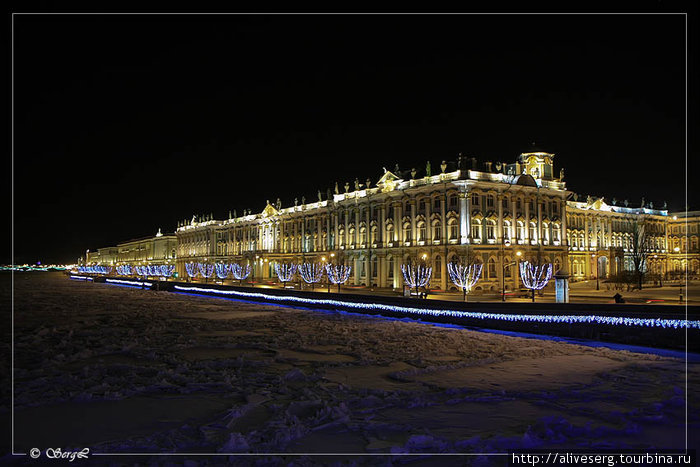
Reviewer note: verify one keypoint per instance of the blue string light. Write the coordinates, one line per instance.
(566, 319)
(222, 270)
(81, 278)
(122, 281)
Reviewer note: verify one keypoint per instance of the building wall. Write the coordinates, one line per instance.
(463, 215)
(154, 250)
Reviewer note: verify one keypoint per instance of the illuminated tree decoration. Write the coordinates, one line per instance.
(125, 270)
(167, 270)
(95, 269)
(464, 277)
(415, 276)
(222, 270)
(240, 272)
(311, 273)
(192, 269)
(338, 274)
(206, 270)
(285, 272)
(535, 277)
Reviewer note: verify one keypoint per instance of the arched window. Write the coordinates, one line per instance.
(363, 235)
(533, 232)
(476, 230)
(506, 230)
(521, 231)
(407, 232)
(390, 232)
(341, 237)
(475, 199)
(492, 268)
(374, 266)
(437, 231)
(437, 270)
(390, 267)
(422, 232)
(373, 235)
(351, 232)
(491, 229)
(453, 228)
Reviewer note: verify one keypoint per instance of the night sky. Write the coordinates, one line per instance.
(124, 124)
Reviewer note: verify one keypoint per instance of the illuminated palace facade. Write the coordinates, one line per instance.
(495, 214)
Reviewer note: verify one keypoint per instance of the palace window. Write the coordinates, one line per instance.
(407, 232)
(506, 230)
(476, 231)
(436, 204)
(453, 201)
(374, 266)
(475, 199)
(422, 232)
(533, 231)
(521, 231)
(436, 231)
(492, 268)
(491, 229)
(390, 232)
(437, 270)
(390, 267)
(506, 203)
(489, 201)
(453, 228)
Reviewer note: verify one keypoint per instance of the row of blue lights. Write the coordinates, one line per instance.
(81, 278)
(567, 319)
(122, 281)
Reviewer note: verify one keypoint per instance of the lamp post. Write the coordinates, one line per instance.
(503, 276)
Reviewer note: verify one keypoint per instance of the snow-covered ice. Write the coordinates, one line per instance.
(124, 370)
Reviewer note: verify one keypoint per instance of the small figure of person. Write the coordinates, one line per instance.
(618, 298)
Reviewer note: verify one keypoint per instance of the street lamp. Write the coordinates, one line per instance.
(503, 276)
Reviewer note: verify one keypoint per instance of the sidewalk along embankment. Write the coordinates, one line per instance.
(660, 326)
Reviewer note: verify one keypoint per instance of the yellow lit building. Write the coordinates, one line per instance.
(465, 213)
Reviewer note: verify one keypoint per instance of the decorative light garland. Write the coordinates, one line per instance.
(285, 272)
(222, 270)
(206, 270)
(338, 274)
(125, 270)
(535, 277)
(95, 269)
(415, 276)
(465, 277)
(81, 278)
(311, 273)
(122, 281)
(567, 319)
(192, 269)
(167, 270)
(240, 272)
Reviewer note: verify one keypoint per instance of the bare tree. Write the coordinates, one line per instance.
(641, 247)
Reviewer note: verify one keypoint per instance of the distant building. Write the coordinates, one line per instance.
(158, 249)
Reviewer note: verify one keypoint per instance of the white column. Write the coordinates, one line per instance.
(464, 217)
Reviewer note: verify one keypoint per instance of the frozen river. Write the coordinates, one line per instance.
(123, 370)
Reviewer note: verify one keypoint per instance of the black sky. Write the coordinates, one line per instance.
(124, 123)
